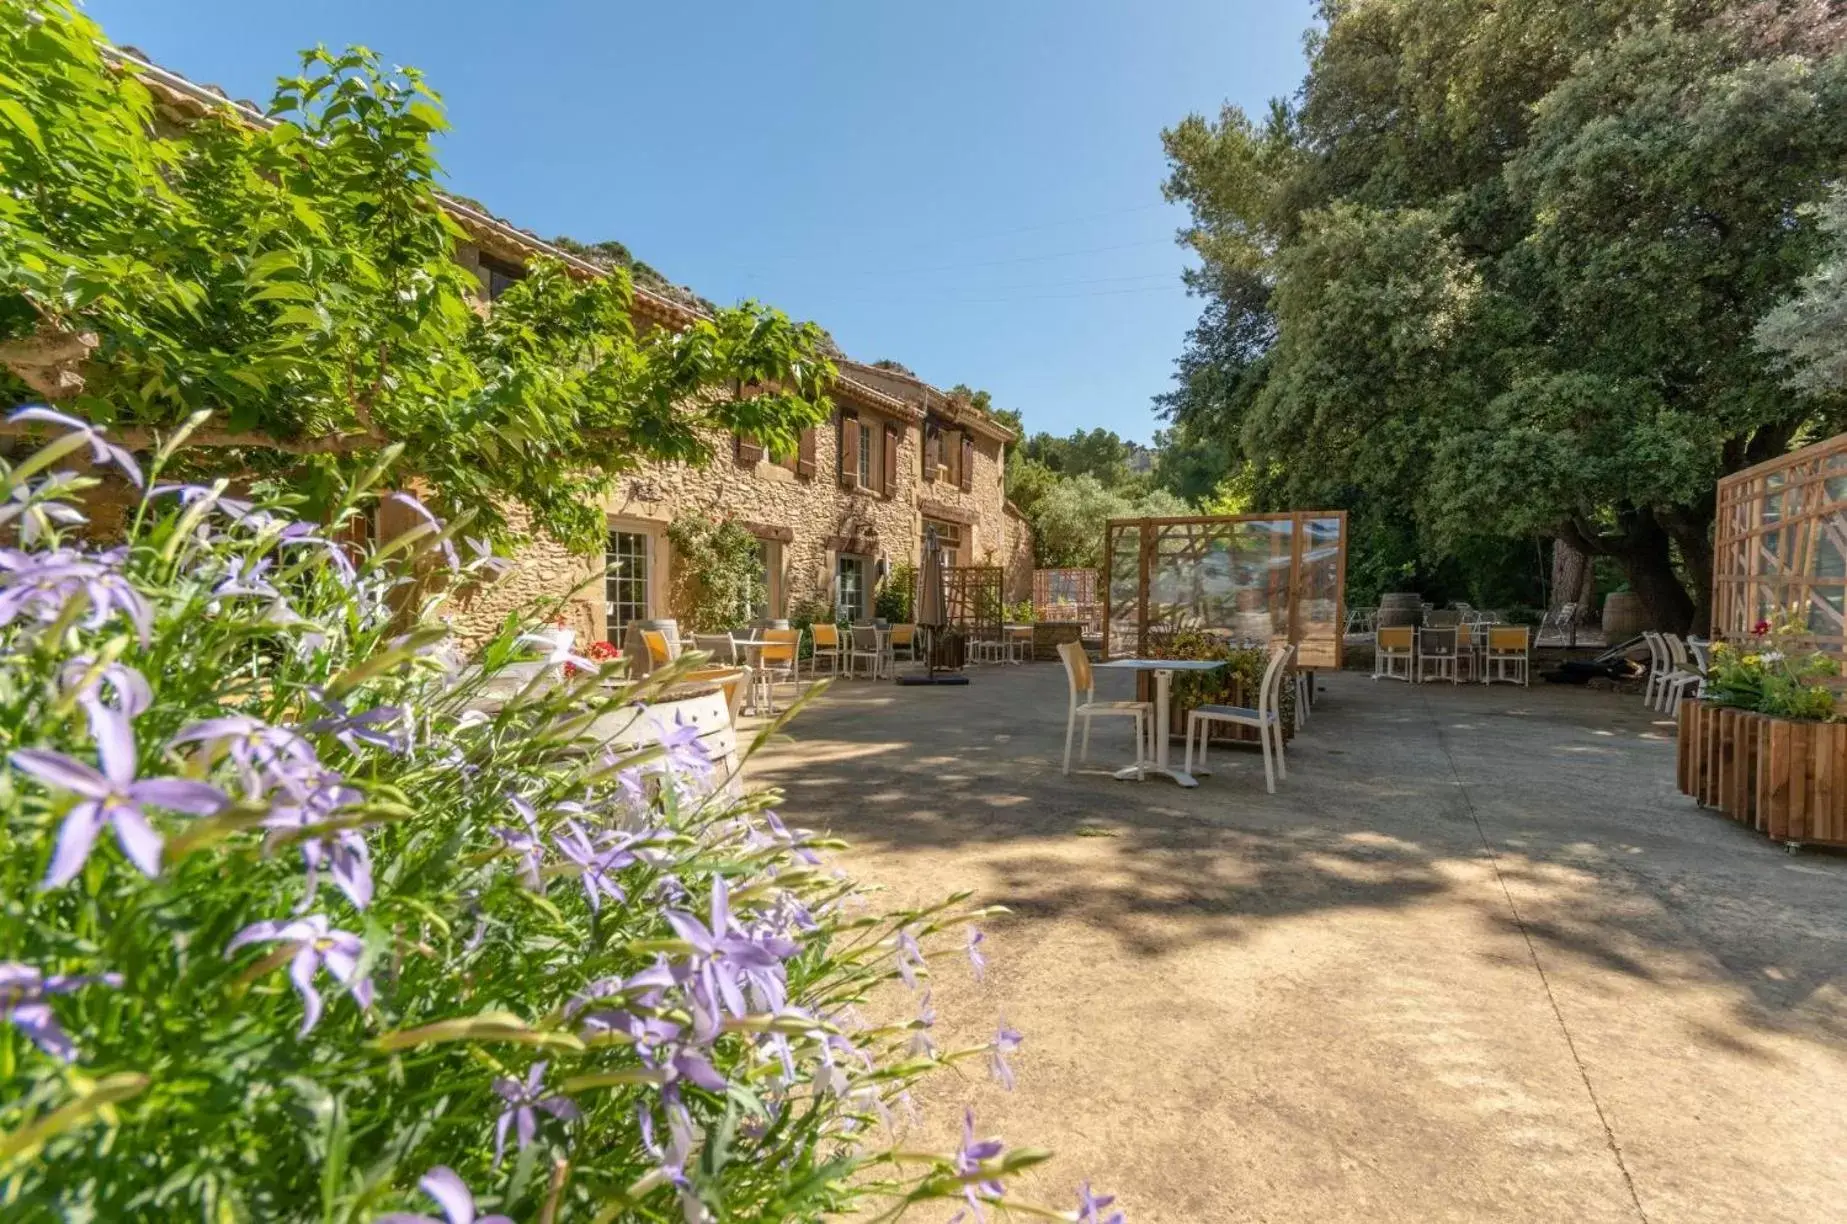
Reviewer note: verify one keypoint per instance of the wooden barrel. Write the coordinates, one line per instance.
(1401, 608)
(1623, 616)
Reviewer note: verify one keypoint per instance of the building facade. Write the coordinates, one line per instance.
(833, 522)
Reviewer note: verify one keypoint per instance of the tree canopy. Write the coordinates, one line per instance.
(297, 278)
(1501, 269)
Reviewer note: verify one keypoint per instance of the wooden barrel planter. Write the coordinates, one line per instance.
(1623, 616)
(1401, 608)
(1786, 779)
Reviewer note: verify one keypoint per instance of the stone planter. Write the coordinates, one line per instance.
(1786, 779)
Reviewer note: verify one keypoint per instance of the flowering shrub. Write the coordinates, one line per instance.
(306, 921)
(1773, 674)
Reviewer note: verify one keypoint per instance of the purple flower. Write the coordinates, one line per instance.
(526, 843)
(523, 1102)
(101, 450)
(316, 945)
(910, 958)
(343, 851)
(596, 863)
(558, 652)
(1006, 1041)
(921, 1045)
(23, 991)
(977, 963)
(265, 756)
(353, 729)
(728, 959)
(1090, 1207)
(246, 578)
(40, 585)
(481, 557)
(451, 1194)
(672, 1159)
(113, 798)
(130, 687)
(38, 509)
(968, 1161)
(686, 753)
(423, 512)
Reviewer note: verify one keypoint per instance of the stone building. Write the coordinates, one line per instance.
(833, 522)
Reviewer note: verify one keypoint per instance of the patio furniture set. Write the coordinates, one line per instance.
(1153, 730)
(1454, 645)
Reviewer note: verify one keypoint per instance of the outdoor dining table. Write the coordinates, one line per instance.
(753, 657)
(1163, 670)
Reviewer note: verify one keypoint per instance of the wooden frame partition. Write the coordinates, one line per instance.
(1068, 594)
(1780, 546)
(975, 599)
(1257, 578)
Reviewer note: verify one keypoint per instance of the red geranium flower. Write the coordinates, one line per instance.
(1760, 628)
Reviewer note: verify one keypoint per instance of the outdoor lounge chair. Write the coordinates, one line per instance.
(1266, 718)
(660, 650)
(1084, 704)
(1394, 645)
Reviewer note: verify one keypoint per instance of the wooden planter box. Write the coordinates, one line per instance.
(1786, 779)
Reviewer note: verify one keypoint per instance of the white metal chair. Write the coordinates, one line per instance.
(906, 640)
(1265, 718)
(1683, 675)
(1437, 647)
(1017, 641)
(1394, 645)
(779, 662)
(866, 649)
(1084, 704)
(1660, 666)
(1508, 656)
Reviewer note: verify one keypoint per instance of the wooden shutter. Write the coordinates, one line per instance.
(890, 483)
(932, 442)
(849, 449)
(966, 477)
(748, 452)
(804, 455)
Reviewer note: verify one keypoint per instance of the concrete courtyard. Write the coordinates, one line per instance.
(1475, 960)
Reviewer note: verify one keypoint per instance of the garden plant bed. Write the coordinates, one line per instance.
(1786, 779)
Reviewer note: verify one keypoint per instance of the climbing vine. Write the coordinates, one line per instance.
(296, 276)
(717, 573)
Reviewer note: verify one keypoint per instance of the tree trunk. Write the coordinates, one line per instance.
(1643, 550)
(1574, 579)
(1691, 530)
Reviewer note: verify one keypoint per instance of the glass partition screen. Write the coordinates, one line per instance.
(1250, 580)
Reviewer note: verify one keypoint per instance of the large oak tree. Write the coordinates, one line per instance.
(1502, 264)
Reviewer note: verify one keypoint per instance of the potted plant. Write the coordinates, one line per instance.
(1764, 743)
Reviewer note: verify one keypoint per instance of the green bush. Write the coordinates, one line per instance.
(301, 914)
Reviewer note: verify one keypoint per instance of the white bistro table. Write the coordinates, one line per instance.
(1163, 670)
(753, 658)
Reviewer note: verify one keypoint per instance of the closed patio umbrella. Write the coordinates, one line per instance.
(932, 609)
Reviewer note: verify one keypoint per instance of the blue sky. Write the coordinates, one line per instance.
(970, 188)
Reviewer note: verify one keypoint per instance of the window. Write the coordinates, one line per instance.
(850, 589)
(948, 538)
(865, 456)
(625, 586)
(501, 274)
